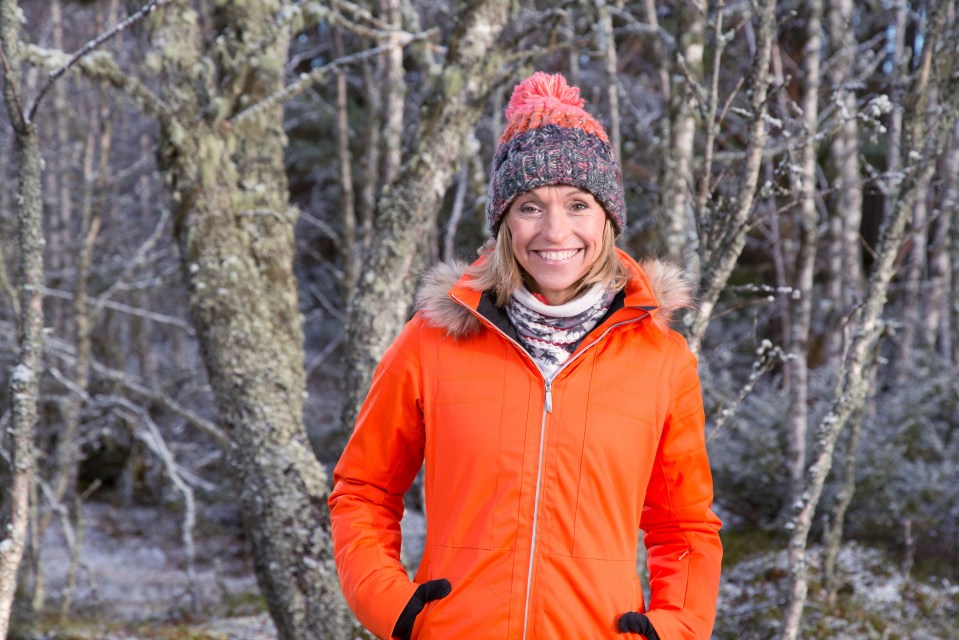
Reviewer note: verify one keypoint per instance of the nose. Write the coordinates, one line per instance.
(555, 225)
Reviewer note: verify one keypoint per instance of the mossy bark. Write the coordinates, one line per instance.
(234, 229)
(18, 465)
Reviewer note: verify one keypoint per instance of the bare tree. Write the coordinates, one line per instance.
(921, 146)
(844, 276)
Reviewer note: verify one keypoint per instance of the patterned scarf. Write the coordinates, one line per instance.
(551, 333)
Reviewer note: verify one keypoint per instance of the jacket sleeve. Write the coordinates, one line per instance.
(378, 465)
(681, 532)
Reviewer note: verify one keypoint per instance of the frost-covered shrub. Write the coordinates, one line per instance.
(908, 465)
(746, 451)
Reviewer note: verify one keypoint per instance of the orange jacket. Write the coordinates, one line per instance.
(535, 491)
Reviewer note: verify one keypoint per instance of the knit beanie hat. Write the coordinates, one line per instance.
(551, 139)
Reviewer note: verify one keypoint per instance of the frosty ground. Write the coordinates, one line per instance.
(134, 584)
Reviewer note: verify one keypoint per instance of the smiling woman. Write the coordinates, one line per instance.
(555, 411)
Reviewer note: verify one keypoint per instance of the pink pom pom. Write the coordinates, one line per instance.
(543, 88)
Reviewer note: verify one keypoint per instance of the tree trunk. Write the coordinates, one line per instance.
(808, 222)
(845, 272)
(407, 211)
(234, 229)
(17, 474)
(950, 212)
(350, 246)
(937, 325)
(676, 206)
(912, 282)
(607, 49)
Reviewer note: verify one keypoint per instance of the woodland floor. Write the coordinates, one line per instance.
(134, 581)
(134, 585)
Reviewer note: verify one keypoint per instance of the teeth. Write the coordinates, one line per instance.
(558, 255)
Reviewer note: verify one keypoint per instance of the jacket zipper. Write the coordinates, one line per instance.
(547, 409)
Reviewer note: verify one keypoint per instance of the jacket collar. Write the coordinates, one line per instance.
(447, 301)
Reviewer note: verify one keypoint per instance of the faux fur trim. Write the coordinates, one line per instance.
(439, 309)
(670, 289)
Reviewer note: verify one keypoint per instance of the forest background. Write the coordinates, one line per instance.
(212, 219)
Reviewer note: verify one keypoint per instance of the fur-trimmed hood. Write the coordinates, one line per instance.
(657, 285)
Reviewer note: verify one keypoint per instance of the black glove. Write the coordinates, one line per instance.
(632, 622)
(426, 592)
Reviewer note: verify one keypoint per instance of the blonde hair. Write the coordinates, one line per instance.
(501, 274)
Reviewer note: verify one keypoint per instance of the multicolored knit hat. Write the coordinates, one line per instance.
(551, 139)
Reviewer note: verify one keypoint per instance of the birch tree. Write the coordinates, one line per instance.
(234, 228)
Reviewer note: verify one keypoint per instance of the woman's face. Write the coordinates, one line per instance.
(557, 235)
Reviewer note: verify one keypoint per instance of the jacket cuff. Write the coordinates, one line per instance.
(670, 626)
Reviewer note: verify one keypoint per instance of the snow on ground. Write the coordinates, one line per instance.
(133, 575)
(134, 585)
(872, 602)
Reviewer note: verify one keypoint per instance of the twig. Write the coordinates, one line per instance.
(124, 308)
(457, 213)
(146, 10)
(320, 357)
(135, 261)
(768, 356)
(308, 79)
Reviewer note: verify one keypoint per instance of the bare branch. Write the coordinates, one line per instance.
(134, 261)
(151, 436)
(67, 354)
(309, 79)
(146, 10)
(124, 308)
(102, 67)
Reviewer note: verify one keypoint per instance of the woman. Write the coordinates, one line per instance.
(556, 412)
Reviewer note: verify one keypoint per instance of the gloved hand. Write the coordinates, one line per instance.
(632, 622)
(426, 592)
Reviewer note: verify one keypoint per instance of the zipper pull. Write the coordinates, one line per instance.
(549, 396)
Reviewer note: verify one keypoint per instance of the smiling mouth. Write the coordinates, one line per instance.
(557, 256)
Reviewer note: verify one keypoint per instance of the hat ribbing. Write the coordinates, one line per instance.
(551, 139)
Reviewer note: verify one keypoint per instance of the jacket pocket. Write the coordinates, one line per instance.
(478, 605)
(584, 597)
